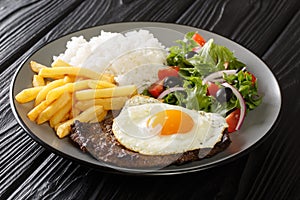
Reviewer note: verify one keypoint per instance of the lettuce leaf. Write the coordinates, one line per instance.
(195, 96)
(248, 89)
(210, 58)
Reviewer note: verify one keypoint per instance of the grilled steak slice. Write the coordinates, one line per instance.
(99, 140)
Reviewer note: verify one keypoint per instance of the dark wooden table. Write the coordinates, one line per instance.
(270, 29)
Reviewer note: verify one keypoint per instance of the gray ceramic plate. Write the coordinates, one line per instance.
(257, 124)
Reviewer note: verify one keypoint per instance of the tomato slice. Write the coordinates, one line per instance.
(199, 39)
(232, 120)
(212, 89)
(169, 71)
(253, 78)
(176, 68)
(156, 88)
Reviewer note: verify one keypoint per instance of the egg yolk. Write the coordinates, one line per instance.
(171, 121)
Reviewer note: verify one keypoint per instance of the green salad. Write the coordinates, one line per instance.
(203, 75)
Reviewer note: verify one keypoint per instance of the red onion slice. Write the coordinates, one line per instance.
(169, 90)
(197, 49)
(242, 104)
(217, 75)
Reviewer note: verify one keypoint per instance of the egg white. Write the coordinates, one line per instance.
(130, 129)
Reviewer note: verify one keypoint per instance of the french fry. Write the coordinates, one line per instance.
(61, 114)
(74, 112)
(100, 117)
(69, 79)
(88, 115)
(73, 71)
(43, 93)
(64, 128)
(127, 90)
(28, 94)
(83, 105)
(114, 103)
(55, 93)
(65, 118)
(34, 113)
(47, 82)
(60, 63)
(53, 108)
(36, 67)
(73, 79)
(57, 125)
(108, 78)
(94, 84)
(69, 87)
(53, 89)
(80, 85)
(38, 81)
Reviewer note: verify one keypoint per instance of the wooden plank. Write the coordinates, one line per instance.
(254, 24)
(56, 178)
(19, 153)
(23, 27)
(50, 180)
(9, 7)
(280, 164)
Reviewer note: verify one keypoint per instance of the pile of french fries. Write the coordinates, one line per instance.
(63, 93)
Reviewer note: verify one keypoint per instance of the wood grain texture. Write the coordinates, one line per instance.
(35, 186)
(281, 164)
(255, 25)
(269, 28)
(19, 153)
(56, 178)
(19, 27)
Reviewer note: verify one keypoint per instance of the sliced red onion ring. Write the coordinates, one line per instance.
(242, 104)
(168, 91)
(197, 49)
(217, 76)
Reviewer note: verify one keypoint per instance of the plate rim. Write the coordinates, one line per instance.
(162, 171)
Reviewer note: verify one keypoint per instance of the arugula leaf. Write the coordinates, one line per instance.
(243, 82)
(171, 99)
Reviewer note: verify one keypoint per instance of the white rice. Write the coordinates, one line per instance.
(114, 52)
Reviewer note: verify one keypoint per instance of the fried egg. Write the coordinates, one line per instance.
(147, 126)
